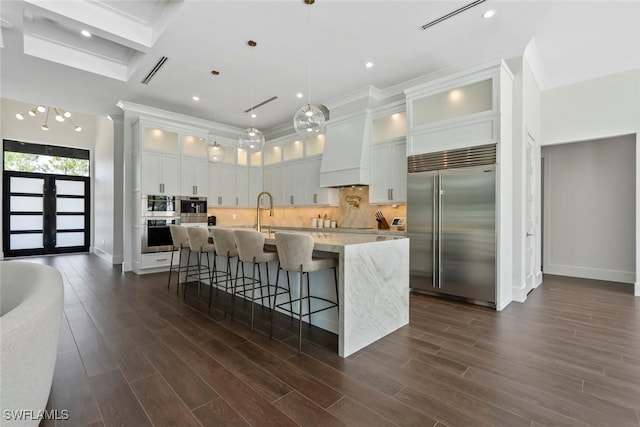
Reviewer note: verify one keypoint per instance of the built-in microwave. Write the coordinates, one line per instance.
(160, 206)
(156, 235)
(193, 210)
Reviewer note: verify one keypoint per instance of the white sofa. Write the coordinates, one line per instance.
(31, 302)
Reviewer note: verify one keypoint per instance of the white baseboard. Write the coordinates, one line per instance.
(106, 256)
(538, 279)
(591, 273)
(126, 266)
(636, 289)
(520, 294)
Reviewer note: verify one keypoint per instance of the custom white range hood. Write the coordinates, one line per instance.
(345, 161)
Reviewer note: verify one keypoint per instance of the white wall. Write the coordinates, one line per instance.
(106, 193)
(589, 209)
(598, 108)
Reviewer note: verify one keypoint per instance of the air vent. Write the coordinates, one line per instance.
(464, 157)
(451, 15)
(154, 70)
(266, 101)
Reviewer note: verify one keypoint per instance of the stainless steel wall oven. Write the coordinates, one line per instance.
(156, 236)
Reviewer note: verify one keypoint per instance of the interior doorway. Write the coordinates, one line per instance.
(46, 199)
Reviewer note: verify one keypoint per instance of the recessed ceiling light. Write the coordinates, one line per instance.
(196, 98)
(299, 95)
(369, 64)
(41, 108)
(85, 33)
(253, 116)
(488, 14)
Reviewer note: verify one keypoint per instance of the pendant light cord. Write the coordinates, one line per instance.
(309, 57)
(252, 44)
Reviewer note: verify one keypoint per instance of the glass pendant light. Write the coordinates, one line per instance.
(215, 151)
(309, 120)
(251, 139)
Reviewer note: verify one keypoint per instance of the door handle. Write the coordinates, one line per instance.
(291, 199)
(315, 198)
(530, 234)
(219, 200)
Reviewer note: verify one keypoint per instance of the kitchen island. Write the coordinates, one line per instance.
(373, 286)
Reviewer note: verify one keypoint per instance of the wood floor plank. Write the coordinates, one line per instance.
(218, 413)
(268, 386)
(305, 412)
(96, 357)
(371, 398)
(128, 356)
(580, 406)
(196, 358)
(187, 384)
(296, 378)
(355, 414)
(162, 404)
(118, 405)
(71, 391)
(246, 401)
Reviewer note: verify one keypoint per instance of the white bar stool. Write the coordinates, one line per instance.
(180, 240)
(295, 252)
(250, 246)
(225, 243)
(199, 244)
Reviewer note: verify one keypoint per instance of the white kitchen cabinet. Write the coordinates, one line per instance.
(314, 194)
(160, 173)
(293, 183)
(228, 186)
(242, 186)
(388, 173)
(194, 177)
(256, 184)
(273, 183)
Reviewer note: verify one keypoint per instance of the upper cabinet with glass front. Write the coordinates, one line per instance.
(193, 181)
(457, 111)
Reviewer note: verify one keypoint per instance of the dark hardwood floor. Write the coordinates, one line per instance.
(133, 353)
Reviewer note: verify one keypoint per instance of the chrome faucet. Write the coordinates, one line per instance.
(258, 208)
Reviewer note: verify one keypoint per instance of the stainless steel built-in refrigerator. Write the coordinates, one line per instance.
(451, 202)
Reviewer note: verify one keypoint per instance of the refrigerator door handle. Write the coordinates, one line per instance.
(434, 231)
(439, 231)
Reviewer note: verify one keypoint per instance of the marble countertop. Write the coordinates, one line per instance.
(332, 242)
(369, 231)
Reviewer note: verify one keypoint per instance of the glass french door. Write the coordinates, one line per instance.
(45, 214)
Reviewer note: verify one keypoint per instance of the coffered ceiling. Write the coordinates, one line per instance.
(45, 59)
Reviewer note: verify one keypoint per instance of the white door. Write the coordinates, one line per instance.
(530, 213)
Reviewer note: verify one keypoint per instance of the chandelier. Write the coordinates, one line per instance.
(60, 115)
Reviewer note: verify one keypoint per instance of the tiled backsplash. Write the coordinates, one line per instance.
(347, 215)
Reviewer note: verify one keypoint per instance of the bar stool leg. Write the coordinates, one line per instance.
(253, 289)
(273, 307)
(170, 270)
(210, 279)
(187, 276)
(309, 298)
(300, 312)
